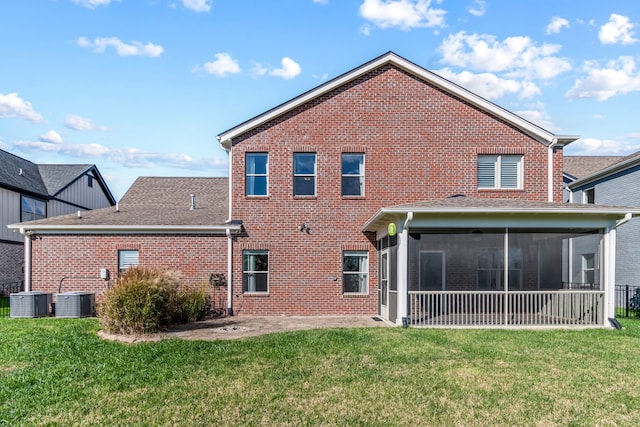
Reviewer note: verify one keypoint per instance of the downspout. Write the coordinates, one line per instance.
(550, 169)
(230, 242)
(403, 286)
(27, 259)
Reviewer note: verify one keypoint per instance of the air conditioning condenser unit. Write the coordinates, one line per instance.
(29, 304)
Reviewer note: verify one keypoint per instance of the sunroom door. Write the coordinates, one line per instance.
(383, 288)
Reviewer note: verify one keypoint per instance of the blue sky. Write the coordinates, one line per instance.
(142, 87)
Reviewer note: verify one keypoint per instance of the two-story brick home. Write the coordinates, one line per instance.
(391, 191)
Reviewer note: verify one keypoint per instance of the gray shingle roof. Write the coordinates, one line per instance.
(160, 202)
(57, 177)
(19, 174)
(583, 166)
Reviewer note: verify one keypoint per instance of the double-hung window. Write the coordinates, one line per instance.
(589, 196)
(127, 259)
(352, 174)
(256, 174)
(32, 209)
(304, 174)
(355, 272)
(588, 268)
(255, 271)
(500, 171)
(491, 269)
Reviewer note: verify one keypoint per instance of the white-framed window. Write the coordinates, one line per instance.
(32, 209)
(491, 269)
(127, 258)
(255, 271)
(432, 271)
(256, 174)
(500, 171)
(588, 268)
(589, 196)
(304, 174)
(352, 174)
(355, 272)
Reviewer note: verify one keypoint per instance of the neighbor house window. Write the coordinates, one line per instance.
(255, 271)
(588, 268)
(491, 269)
(89, 181)
(32, 209)
(256, 174)
(127, 259)
(355, 272)
(500, 172)
(304, 174)
(589, 196)
(352, 174)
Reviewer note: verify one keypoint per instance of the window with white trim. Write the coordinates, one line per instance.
(491, 269)
(255, 271)
(256, 174)
(355, 272)
(304, 174)
(588, 268)
(589, 196)
(500, 171)
(352, 174)
(127, 259)
(32, 209)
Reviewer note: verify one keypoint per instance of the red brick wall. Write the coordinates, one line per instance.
(79, 259)
(419, 142)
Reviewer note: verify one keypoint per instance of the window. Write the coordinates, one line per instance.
(500, 172)
(89, 181)
(32, 209)
(352, 174)
(491, 269)
(355, 272)
(431, 271)
(255, 271)
(588, 268)
(304, 174)
(127, 259)
(589, 196)
(256, 174)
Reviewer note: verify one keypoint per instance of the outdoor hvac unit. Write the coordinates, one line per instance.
(75, 304)
(29, 304)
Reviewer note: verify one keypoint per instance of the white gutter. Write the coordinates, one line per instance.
(627, 218)
(27, 259)
(101, 229)
(554, 142)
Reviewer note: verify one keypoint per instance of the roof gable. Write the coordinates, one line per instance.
(616, 165)
(534, 131)
(19, 174)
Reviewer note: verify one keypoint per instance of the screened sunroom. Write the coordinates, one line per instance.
(475, 262)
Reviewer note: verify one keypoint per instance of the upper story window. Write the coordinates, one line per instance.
(352, 174)
(589, 196)
(127, 259)
(32, 209)
(304, 174)
(500, 172)
(256, 174)
(89, 181)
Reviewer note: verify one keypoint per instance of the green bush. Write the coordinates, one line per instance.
(192, 305)
(143, 301)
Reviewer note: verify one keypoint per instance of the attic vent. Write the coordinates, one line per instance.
(193, 202)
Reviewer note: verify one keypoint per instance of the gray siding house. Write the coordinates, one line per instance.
(30, 191)
(612, 181)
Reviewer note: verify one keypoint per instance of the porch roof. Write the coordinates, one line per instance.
(470, 207)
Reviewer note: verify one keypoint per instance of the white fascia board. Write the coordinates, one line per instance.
(529, 128)
(120, 229)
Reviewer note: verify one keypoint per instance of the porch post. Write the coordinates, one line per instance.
(506, 276)
(403, 257)
(27, 260)
(609, 274)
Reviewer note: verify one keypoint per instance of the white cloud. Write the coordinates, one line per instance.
(321, 1)
(197, 5)
(258, 70)
(135, 48)
(75, 122)
(603, 147)
(538, 117)
(404, 14)
(556, 25)
(366, 29)
(224, 64)
(92, 4)
(516, 56)
(51, 137)
(289, 70)
(617, 30)
(477, 8)
(489, 85)
(598, 116)
(11, 105)
(616, 78)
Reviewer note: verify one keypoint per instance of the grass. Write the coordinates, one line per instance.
(58, 372)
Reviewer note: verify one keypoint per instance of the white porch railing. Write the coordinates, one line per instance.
(493, 308)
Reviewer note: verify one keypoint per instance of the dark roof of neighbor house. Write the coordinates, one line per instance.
(43, 180)
(581, 166)
(617, 164)
(391, 58)
(153, 204)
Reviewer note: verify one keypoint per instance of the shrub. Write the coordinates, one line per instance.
(192, 305)
(142, 301)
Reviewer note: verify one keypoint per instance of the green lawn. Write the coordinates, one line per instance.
(58, 372)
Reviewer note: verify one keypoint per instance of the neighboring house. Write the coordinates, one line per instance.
(169, 223)
(31, 191)
(389, 191)
(611, 181)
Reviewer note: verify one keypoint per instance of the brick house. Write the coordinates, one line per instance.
(391, 191)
